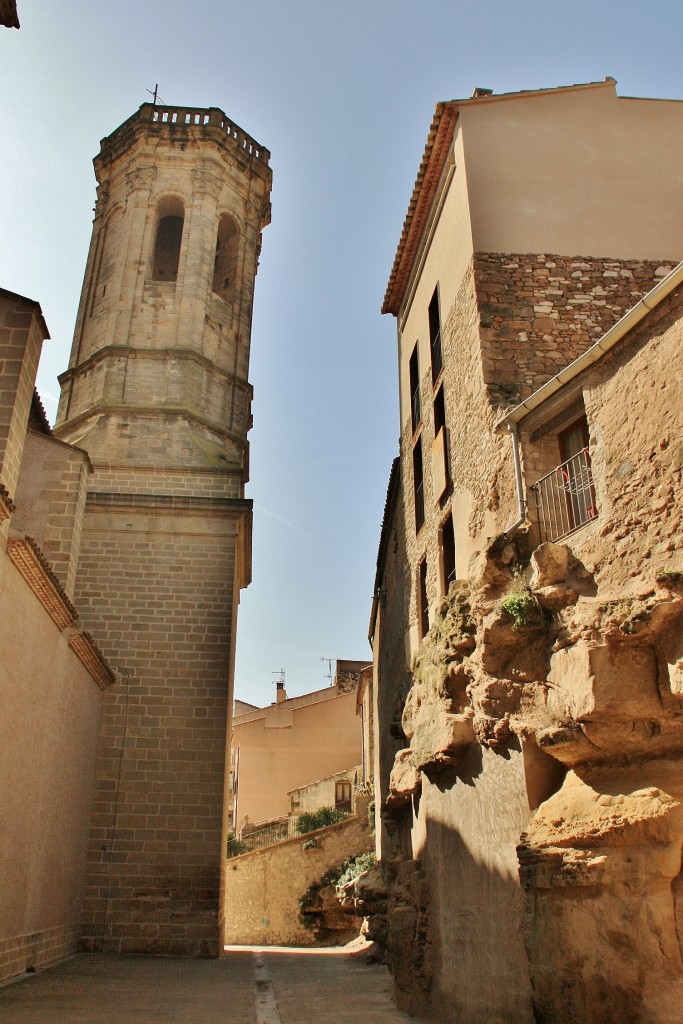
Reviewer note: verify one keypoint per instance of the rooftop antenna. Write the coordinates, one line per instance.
(280, 681)
(328, 675)
(155, 95)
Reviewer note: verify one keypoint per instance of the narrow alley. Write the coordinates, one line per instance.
(273, 985)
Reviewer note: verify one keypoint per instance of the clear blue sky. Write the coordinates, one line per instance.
(342, 95)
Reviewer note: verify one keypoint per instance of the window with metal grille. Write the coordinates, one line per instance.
(565, 497)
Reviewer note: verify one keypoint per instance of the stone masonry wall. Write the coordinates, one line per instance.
(263, 888)
(482, 492)
(157, 591)
(539, 312)
(545, 714)
(635, 414)
(517, 320)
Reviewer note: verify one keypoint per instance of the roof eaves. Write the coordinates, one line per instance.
(431, 166)
(433, 160)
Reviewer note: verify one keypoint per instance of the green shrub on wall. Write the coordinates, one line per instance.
(312, 820)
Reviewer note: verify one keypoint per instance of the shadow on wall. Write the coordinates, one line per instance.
(455, 938)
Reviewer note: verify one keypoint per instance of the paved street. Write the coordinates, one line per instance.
(264, 986)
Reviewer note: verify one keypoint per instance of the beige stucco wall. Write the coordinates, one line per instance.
(575, 172)
(444, 259)
(49, 718)
(263, 888)
(283, 747)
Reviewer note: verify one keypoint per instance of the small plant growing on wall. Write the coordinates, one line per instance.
(312, 820)
(235, 846)
(519, 603)
(522, 607)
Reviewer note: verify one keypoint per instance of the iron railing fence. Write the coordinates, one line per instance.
(565, 497)
(275, 833)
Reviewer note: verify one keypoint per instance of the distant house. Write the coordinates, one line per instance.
(292, 743)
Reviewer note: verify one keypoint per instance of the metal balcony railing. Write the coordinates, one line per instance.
(565, 497)
(268, 836)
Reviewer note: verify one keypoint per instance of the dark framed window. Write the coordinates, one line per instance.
(415, 415)
(435, 336)
(422, 605)
(418, 485)
(447, 543)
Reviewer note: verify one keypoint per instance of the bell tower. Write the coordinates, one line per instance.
(157, 392)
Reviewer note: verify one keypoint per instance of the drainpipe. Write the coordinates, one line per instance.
(521, 502)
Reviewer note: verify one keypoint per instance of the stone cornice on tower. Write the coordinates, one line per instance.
(181, 125)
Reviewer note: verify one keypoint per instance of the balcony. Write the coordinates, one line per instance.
(565, 498)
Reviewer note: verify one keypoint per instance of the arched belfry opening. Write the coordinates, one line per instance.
(170, 220)
(225, 263)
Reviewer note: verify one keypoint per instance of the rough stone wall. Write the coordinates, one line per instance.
(391, 678)
(633, 405)
(554, 723)
(539, 312)
(263, 888)
(517, 320)
(482, 490)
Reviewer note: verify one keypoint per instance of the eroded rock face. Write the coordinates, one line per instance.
(591, 689)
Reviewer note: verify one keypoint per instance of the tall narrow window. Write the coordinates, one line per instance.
(418, 484)
(422, 606)
(225, 263)
(414, 390)
(435, 335)
(169, 236)
(440, 470)
(447, 540)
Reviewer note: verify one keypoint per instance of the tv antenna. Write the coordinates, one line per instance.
(328, 675)
(155, 95)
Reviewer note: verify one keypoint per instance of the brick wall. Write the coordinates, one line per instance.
(263, 888)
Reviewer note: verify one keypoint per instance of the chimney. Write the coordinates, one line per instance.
(280, 695)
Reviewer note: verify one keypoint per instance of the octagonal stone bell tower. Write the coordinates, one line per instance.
(157, 392)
